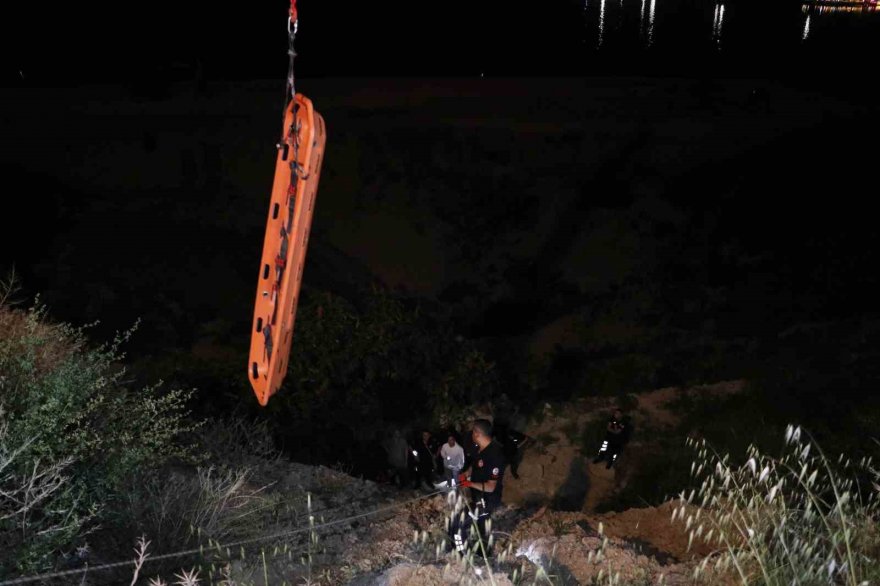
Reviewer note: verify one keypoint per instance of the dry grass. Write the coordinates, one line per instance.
(798, 519)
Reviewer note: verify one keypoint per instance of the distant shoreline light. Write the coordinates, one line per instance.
(840, 5)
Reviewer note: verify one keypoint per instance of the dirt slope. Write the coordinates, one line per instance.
(555, 471)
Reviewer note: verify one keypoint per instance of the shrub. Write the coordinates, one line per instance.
(29, 527)
(67, 407)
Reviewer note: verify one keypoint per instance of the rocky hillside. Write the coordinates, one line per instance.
(398, 544)
(263, 520)
(330, 528)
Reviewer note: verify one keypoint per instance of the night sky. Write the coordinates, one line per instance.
(539, 195)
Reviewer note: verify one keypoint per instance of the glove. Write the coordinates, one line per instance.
(462, 478)
(465, 483)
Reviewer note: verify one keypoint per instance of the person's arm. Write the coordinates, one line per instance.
(497, 468)
(491, 484)
(517, 442)
(457, 459)
(465, 472)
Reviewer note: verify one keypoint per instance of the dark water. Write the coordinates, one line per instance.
(741, 30)
(572, 37)
(420, 39)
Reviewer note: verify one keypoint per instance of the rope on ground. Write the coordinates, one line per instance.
(202, 549)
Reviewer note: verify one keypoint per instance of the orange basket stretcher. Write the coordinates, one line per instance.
(297, 171)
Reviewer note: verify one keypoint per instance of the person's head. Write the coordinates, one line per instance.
(618, 414)
(482, 432)
(426, 436)
(451, 441)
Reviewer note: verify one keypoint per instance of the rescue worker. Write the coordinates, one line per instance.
(468, 445)
(513, 443)
(424, 462)
(412, 458)
(614, 438)
(452, 456)
(484, 477)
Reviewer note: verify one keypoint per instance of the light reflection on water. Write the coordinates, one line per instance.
(858, 7)
(646, 21)
(605, 23)
(719, 23)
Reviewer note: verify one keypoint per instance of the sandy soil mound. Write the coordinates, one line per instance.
(642, 545)
(417, 575)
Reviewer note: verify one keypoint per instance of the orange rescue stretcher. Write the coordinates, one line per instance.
(297, 171)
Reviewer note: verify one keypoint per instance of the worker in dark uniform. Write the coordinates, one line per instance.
(615, 433)
(470, 448)
(512, 442)
(412, 459)
(484, 478)
(424, 462)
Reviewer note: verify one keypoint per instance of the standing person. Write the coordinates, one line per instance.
(615, 432)
(452, 455)
(513, 442)
(425, 462)
(484, 477)
(398, 456)
(470, 448)
(412, 459)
